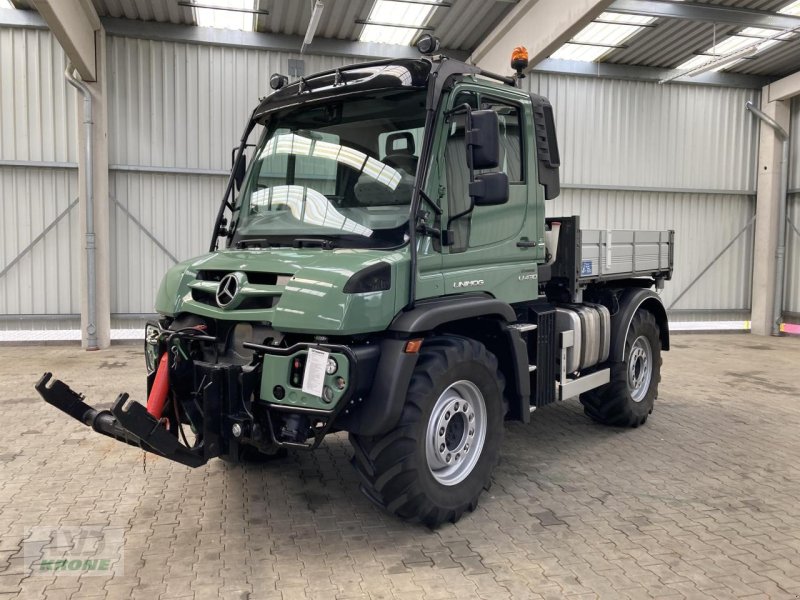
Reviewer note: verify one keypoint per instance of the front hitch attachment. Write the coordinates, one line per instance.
(127, 421)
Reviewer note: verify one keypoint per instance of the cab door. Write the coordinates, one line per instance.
(495, 249)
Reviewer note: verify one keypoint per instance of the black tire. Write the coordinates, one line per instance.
(394, 467)
(615, 403)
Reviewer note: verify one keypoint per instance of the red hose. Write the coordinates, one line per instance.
(158, 393)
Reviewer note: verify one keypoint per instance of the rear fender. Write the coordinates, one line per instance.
(631, 300)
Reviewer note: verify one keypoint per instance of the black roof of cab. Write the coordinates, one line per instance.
(391, 73)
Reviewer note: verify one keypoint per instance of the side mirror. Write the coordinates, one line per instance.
(239, 170)
(483, 139)
(489, 189)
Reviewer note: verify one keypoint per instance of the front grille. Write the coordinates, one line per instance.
(204, 297)
(249, 303)
(254, 277)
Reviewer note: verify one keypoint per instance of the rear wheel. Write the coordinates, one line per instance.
(434, 464)
(628, 398)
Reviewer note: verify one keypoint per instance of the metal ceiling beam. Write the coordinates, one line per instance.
(209, 36)
(785, 88)
(398, 25)
(731, 15)
(252, 11)
(634, 73)
(74, 23)
(434, 3)
(23, 19)
(169, 32)
(542, 26)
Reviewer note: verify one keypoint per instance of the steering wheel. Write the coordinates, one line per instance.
(407, 162)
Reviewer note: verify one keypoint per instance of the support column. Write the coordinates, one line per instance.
(768, 201)
(77, 28)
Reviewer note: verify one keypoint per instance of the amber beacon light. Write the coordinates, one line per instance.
(519, 60)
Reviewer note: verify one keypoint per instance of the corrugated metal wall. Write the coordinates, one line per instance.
(37, 112)
(638, 155)
(180, 107)
(703, 224)
(39, 263)
(41, 281)
(175, 105)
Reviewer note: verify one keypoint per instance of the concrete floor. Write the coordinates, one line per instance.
(702, 502)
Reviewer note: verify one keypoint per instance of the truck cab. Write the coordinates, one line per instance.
(381, 264)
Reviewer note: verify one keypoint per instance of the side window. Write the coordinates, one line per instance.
(510, 139)
(457, 172)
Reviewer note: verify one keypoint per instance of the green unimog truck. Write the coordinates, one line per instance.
(383, 266)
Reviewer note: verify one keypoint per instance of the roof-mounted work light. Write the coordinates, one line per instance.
(277, 81)
(427, 44)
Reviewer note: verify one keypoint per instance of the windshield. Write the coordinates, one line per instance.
(339, 173)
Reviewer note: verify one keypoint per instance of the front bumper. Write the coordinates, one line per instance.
(127, 422)
(216, 400)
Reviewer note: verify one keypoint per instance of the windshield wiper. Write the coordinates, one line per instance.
(257, 243)
(323, 243)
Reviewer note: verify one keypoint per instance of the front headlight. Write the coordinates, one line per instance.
(151, 342)
(375, 278)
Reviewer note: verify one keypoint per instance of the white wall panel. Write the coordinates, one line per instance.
(177, 210)
(630, 134)
(37, 111)
(45, 280)
(184, 105)
(635, 133)
(703, 223)
(176, 105)
(179, 105)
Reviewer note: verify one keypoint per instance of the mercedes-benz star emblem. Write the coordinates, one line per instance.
(227, 290)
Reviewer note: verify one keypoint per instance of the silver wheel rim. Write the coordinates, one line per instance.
(456, 432)
(640, 368)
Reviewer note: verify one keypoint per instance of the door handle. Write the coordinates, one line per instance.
(526, 243)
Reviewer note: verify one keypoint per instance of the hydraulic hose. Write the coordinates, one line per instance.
(158, 393)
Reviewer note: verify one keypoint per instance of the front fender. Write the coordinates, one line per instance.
(380, 411)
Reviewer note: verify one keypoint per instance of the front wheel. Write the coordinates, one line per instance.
(628, 399)
(434, 464)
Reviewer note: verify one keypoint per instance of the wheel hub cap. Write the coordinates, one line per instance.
(456, 432)
(640, 371)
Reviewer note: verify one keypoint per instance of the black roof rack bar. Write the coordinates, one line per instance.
(386, 61)
(503, 78)
(343, 68)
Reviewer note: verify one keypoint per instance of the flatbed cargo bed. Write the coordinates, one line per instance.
(596, 255)
(623, 253)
